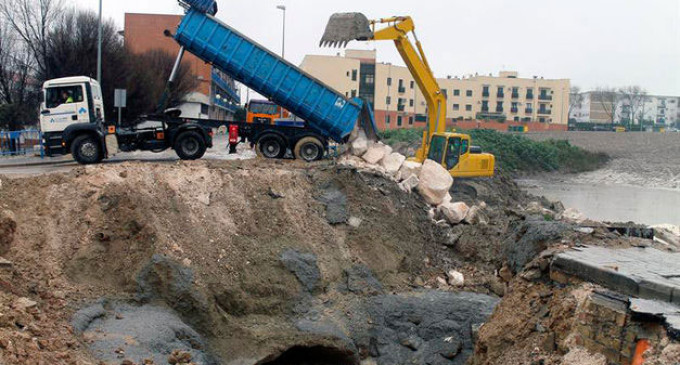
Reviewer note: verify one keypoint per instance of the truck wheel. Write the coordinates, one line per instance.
(309, 149)
(87, 150)
(271, 147)
(190, 145)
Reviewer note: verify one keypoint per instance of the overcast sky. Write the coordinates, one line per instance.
(592, 42)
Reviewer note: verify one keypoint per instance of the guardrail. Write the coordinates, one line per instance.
(21, 143)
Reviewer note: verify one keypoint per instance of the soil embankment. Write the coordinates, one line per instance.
(261, 262)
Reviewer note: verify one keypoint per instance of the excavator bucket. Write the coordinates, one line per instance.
(345, 27)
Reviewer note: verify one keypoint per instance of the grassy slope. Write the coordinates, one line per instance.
(516, 153)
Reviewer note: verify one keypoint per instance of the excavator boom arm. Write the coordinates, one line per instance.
(343, 28)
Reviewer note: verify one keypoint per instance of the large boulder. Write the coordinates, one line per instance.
(408, 169)
(454, 213)
(435, 182)
(360, 145)
(376, 153)
(392, 163)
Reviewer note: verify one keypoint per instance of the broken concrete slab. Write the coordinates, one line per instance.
(392, 163)
(453, 212)
(435, 182)
(376, 153)
(642, 272)
(668, 313)
(408, 169)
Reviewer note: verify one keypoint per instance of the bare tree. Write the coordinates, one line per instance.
(575, 99)
(608, 99)
(32, 21)
(18, 92)
(634, 98)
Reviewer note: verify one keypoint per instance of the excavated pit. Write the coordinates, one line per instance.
(316, 355)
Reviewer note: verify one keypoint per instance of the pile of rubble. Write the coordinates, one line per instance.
(430, 179)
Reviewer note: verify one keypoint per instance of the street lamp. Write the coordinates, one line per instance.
(99, 46)
(283, 46)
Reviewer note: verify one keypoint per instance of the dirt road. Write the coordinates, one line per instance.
(638, 159)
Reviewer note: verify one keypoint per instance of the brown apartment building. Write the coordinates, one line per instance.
(216, 94)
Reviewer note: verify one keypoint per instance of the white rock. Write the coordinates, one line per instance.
(453, 212)
(376, 153)
(354, 222)
(456, 278)
(392, 163)
(572, 214)
(408, 169)
(435, 182)
(432, 213)
(352, 161)
(360, 145)
(409, 184)
(447, 199)
(441, 283)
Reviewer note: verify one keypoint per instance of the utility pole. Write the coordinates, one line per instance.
(99, 46)
(283, 43)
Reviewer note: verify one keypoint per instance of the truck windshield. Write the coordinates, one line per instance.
(258, 108)
(56, 96)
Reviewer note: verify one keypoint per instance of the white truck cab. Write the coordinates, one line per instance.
(68, 101)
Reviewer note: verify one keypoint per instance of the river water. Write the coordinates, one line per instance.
(612, 203)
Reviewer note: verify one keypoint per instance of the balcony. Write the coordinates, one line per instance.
(485, 94)
(500, 95)
(515, 95)
(545, 97)
(485, 109)
(499, 109)
(401, 107)
(530, 96)
(529, 111)
(544, 111)
(402, 90)
(514, 110)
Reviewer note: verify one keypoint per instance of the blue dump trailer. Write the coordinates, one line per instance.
(328, 115)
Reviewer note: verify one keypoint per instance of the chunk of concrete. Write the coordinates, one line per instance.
(408, 169)
(435, 182)
(453, 212)
(456, 278)
(409, 184)
(360, 145)
(392, 163)
(376, 153)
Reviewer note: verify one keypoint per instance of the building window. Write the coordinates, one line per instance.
(501, 92)
(411, 103)
(354, 93)
(389, 81)
(456, 107)
(388, 100)
(354, 75)
(515, 92)
(485, 91)
(413, 84)
(410, 120)
(387, 120)
(468, 108)
(468, 93)
(485, 106)
(530, 94)
(499, 107)
(456, 92)
(399, 121)
(516, 119)
(542, 120)
(370, 79)
(347, 73)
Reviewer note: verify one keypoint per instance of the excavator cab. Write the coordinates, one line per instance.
(456, 153)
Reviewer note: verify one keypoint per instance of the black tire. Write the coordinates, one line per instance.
(190, 145)
(309, 149)
(87, 150)
(271, 146)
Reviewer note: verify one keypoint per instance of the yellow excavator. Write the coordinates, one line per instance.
(453, 150)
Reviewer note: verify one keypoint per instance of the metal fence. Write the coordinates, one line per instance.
(20, 143)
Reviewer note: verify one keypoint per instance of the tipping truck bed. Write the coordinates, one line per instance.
(325, 110)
